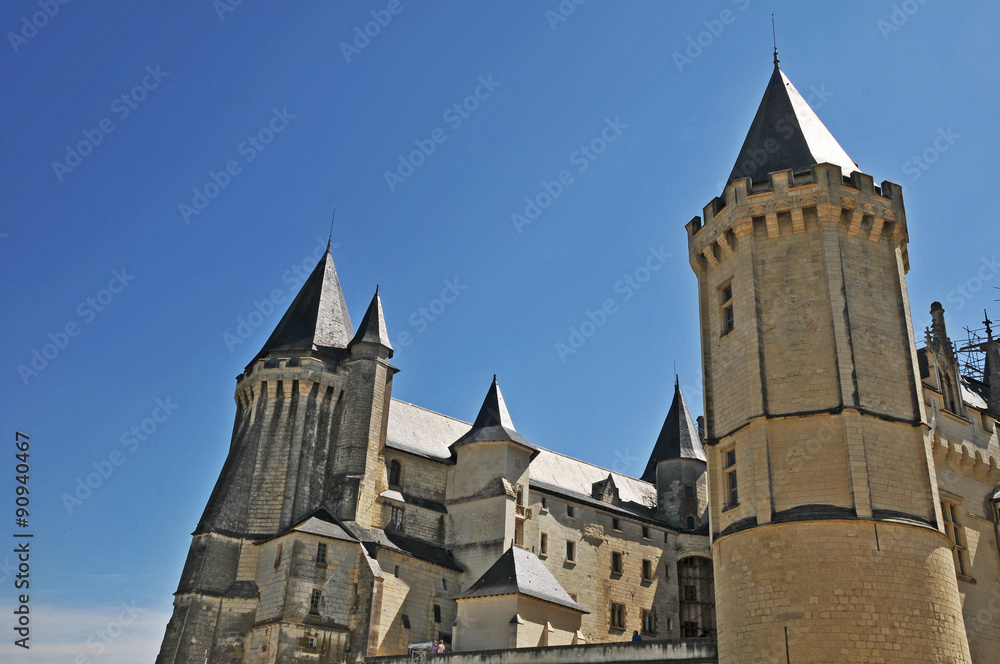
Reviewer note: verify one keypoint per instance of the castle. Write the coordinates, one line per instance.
(838, 503)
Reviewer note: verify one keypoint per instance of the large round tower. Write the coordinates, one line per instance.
(825, 518)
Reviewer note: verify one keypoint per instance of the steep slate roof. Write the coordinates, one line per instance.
(519, 571)
(493, 422)
(372, 329)
(678, 438)
(317, 319)
(424, 433)
(786, 134)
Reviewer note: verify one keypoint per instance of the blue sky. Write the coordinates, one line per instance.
(171, 168)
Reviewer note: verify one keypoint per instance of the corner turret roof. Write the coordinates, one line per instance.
(372, 328)
(493, 422)
(678, 439)
(786, 134)
(317, 319)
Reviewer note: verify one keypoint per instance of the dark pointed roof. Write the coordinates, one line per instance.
(493, 422)
(786, 134)
(372, 328)
(679, 438)
(519, 571)
(317, 319)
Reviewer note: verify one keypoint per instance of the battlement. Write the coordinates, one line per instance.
(787, 201)
(273, 372)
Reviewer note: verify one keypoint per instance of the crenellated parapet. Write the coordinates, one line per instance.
(962, 457)
(786, 201)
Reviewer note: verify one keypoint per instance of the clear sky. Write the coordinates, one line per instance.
(169, 167)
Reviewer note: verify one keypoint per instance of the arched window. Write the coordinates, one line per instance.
(395, 474)
(697, 594)
(691, 523)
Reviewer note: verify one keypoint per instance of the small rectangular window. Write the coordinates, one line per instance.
(545, 503)
(406, 621)
(277, 556)
(444, 584)
(732, 488)
(616, 524)
(310, 643)
(437, 613)
(689, 491)
(617, 616)
(314, 602)
(728, 321)
(570, 550)
(396, 520)
(648, 622)
(321, 552)
(645, 532)
(616, 562)
(647, 570)
(543, 544)
(571, 511)
(956, 534)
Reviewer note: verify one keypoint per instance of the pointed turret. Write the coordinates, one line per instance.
(786, 134)
(372, 328)
(317, 319)
(678, 439)
(493, 422)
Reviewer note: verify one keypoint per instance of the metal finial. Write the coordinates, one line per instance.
(330, 239)
(774, 40)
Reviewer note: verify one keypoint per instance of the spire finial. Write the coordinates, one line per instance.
(774, 40)
(330, 239)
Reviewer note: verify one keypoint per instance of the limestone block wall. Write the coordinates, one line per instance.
(968, 474)
(673, 506)
(485, 623)
(838, 591)
(412, 587)
(590, 577)
(420, 477)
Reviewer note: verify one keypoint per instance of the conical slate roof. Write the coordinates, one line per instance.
(317, 318)
(678, 439)
(493, 422)
(786, 134)
(520, 572)
(372, 329)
